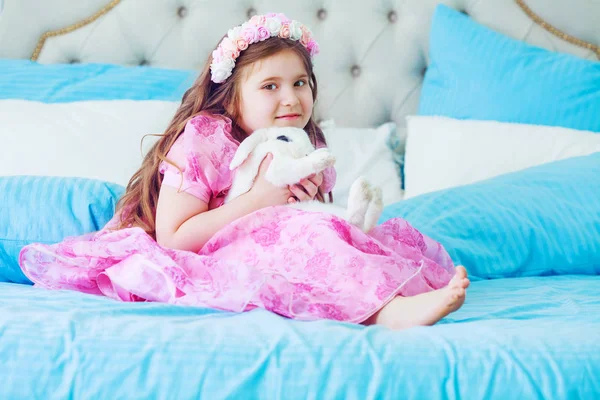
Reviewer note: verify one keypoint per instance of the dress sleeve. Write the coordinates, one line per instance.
(329, 175)
(202, 155)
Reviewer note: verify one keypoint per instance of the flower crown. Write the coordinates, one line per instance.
(257, 29)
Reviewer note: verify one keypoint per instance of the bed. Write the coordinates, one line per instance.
(507, 342)
(477, 118)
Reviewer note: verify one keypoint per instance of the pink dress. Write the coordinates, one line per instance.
(302, 265)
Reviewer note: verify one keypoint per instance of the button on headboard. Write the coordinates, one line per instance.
(373, 53)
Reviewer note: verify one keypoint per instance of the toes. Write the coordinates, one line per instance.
(461, 271)
(463, 283)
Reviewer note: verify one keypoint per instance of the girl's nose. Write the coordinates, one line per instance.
(289, 97)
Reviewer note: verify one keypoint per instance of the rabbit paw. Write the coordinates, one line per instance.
(322, 159)
(374, 209)
(359, 199)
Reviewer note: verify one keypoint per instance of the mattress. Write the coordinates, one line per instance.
(534, 338)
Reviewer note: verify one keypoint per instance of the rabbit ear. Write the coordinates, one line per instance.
(247, 146)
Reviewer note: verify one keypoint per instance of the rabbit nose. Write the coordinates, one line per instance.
(283, 138)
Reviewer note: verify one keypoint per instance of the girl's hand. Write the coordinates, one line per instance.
(264, 193)
(306, 189)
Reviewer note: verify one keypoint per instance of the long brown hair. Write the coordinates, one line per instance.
(138, 205)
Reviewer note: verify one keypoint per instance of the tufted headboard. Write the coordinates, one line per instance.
(373, 52)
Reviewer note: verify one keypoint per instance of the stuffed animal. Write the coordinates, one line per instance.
(295, 158)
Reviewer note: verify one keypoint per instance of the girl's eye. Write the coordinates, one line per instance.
(270, 86)
(301, 83)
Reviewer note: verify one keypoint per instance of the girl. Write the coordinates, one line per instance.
(172, 239)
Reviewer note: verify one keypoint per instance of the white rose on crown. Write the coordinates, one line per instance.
(273, 24)
(234, 33)
(295, 30)
(222, 70)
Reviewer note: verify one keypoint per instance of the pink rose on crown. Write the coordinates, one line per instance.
(306, 36)
(241, 44)
(263, 33)
(285, 31)
(249, 33)
(230, 49)
(231, 54)
(313, 48)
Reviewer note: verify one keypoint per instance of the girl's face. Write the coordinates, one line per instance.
(275, 92)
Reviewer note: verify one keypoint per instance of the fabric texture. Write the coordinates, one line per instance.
(299, 264)
(544, 220)
(364, 152)
(102, 140)
(518, 338)
(444, 152)
(46, 210)
(477, 73)
(64, 83)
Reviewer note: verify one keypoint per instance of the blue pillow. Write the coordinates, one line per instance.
(540, 221)
(46, 210)
(476, 73)
(56, 83)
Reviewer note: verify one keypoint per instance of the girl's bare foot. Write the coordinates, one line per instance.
(425, 308)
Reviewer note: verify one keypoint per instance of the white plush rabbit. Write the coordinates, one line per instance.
(295, 158)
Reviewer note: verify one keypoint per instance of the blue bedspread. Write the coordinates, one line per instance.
(528, 338)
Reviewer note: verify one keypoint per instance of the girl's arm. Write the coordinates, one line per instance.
(184, 222)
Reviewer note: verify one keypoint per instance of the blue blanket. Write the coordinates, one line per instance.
(534, 338)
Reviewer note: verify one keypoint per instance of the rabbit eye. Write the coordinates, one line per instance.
(283, 138)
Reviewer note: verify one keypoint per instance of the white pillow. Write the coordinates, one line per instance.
(363, 152)
(444, 152)
(89, 139)
(101, 140)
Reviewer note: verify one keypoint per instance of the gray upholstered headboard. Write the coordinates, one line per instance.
(373, 52)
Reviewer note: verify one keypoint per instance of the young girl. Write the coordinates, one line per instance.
(173, 240)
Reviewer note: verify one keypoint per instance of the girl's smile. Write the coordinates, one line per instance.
(289, 117)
